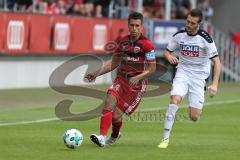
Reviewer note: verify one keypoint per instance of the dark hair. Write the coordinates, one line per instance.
(197, 13)
(135, 15)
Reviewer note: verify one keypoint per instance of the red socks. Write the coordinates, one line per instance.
(105, 123)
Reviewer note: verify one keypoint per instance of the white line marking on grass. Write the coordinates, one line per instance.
(29, 122)
(142, 110)
(186, 106)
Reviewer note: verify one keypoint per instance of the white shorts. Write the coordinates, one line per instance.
(183, 85)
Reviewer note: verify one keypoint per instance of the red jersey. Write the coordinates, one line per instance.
(134, 55)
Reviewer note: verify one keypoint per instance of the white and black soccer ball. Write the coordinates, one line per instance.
(72, 138)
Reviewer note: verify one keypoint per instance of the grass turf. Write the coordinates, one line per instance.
(216, 136)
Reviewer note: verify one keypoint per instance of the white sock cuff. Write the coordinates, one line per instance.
(173, 108)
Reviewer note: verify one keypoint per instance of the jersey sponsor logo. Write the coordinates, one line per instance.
(150, 55)
(133, 59)
(189, 54)
(189, 50)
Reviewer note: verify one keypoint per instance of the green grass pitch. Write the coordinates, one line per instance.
(215, 137)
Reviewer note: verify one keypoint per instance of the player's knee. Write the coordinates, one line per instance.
(107, 108)
(194, 114)
(110, 103)
(176, 100)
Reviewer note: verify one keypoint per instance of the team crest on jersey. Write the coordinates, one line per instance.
(189, 50)
(136, 49)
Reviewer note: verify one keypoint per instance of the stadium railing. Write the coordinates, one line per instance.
(229, 55)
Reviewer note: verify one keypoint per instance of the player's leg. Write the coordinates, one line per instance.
(196, 99)
(116, 122)
(106, 120)
(169, 119)
(128, 102)
(170, 115)
(116, 126)
(179, 90)
(107, 112)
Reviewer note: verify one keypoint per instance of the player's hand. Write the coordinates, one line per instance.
(212, 89)
(90, 77)
(171, 59)
(133, 81)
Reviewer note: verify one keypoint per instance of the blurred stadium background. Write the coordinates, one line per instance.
(38, 36)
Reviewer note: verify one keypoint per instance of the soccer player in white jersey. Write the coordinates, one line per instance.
(196, 52)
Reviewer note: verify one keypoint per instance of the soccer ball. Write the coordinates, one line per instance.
(72, 138)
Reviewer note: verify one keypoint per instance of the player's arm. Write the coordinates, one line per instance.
(216, 75)
(213, 55)
(169, 57)
(108, 67)
(172, 45)
(150, 68)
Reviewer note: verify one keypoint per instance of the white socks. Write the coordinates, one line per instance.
(169, 120)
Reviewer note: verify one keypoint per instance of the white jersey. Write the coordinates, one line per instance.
(195, 52)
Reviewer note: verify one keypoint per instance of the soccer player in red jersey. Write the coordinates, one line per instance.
(135, 60)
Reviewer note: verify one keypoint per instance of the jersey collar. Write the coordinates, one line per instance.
(140, 37)
(191, 34)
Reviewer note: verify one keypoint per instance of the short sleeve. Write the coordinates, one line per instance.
(172, 44)
(211, 50)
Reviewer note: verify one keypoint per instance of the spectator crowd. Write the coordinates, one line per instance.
(103, 8)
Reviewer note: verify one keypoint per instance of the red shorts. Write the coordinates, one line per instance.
(128, 98)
